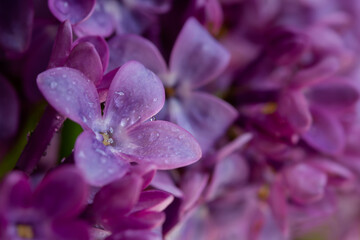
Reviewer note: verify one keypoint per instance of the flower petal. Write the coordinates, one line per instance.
(16, 21)
(326, 133)
(153, 200)
(15, 192)
(9, 107)
(62, 45)
(71, 94)
(100, 23)
(203, 115)
(135, 235)
(74, 10)
(96, 161)
(70, 230)
(101, 47)
(117, 197)
(305, 183)
(62, 193)
(163, 181)
(197, 57)
(163, 144)
(124, 48)
(86, 59)
(149, 6)
(135, 95)
(333, 95)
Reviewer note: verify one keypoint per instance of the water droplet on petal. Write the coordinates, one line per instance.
(62, 6)
(64, 75)
(181, 136)
(155, 100)
(53, 85)
(120, 93)
(152, 119)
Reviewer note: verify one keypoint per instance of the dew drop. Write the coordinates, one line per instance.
(181, 136)
(57, 117)
(103, 160)
(120, 93)
(62, 6)
(111, 130)
(155, 100)
(123, 122)
(64, 76)
(53, 85)
(152, 119)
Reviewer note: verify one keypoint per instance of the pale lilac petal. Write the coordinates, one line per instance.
(192, 185)
(315, 74)
(146, 171)
(62, 45)
(326, 133)
(9, 110)
(97, 162)
(149, 6)
(163, 181)
(137, 220)
(71, 94)
(337, 95)
(338, 175)
(206, 117)
(15, 191)
(197, 57)
(86, 59)
(124, 48)
(293, 107)
(99, 23)
(16, 21)
(101, 47)
(118, 197)
(73, 10)
(62, 193)
(135, 95)
(305, 183)
(153, 200)
(163, 144)
(103, 86)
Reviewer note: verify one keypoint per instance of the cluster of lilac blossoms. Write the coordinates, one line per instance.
(179, 119)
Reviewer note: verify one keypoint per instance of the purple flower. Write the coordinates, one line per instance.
(196, 60)
(127, 212)
(48, 212)
(121, 135)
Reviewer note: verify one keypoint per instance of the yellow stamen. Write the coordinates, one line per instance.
(106, 139)
(25, 231)
(263, 192)
(269, 108)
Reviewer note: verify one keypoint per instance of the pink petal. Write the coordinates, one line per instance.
(62, 45)
(135, 95)
(153, 200)
(9, 110)
(305, 183)
(74, 10)
(100, 22)
(326, 133)
(97, 162)
(124, 48)
(71, 94)
(205, 116)
(164, 182)
(15, 191)
(163, 144)
(197, 57)
(62, 193)
(337, 95)
(149, 6)
(86, 59)
(101, 47)
(16, 22)
(118, 197)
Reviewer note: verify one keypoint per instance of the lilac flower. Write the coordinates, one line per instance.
(110, 142)
(16, 20)
(49, 212)
(202, 114)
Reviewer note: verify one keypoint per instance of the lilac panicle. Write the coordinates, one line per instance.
(103, 151)
(48, 212)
